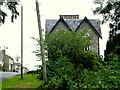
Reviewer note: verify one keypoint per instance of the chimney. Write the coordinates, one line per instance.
(69, 16)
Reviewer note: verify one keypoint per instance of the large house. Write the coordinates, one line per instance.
(72, 22)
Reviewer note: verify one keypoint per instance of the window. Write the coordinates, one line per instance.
(87, 48)
(87, 34)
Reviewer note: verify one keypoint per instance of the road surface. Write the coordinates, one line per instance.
(5, 75)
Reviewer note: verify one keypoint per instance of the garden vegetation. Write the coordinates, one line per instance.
(71, 66)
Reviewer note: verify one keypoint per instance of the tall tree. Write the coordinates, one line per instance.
(41, 41)
(12, 6)
(110, 10)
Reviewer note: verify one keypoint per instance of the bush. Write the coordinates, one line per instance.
(112, 57)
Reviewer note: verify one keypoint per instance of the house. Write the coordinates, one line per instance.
(6, 61)
(72, 22)
(1, 58)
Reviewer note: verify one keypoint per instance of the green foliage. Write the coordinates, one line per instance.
(68, 77)
(110, 12)
(29, 81)
(112, 57)
(12, 6)
(113, 46)
(69, 67)
(68, 60)
(71, 45)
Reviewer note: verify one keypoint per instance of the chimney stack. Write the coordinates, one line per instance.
(69, 16)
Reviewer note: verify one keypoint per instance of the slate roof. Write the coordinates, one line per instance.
(74, 24)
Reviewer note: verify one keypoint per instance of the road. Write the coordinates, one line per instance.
(5, 75)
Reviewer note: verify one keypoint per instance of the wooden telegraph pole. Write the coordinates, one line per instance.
(41, 41)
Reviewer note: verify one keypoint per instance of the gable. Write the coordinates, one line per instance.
(60, 26)
(85, 23)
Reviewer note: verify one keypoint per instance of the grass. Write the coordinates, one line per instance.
(0, 85)
(28, 81)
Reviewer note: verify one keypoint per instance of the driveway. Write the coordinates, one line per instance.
(5, 75)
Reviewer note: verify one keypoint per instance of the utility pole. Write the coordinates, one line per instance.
(21, 42)
(41, 41)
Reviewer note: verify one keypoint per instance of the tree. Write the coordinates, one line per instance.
(42, 51)
(110, 12)
(70, 66)
(113, 46)
(12, 6)
(72, 45)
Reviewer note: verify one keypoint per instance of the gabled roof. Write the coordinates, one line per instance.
(97, 31)
(74, 24)
(60, 20)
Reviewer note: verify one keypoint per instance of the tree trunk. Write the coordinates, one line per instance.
(41, 41)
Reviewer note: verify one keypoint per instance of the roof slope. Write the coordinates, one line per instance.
(74, 24)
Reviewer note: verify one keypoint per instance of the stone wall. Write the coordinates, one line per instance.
(60, 26)
(95, 38)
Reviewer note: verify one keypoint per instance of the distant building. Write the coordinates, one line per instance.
(1, 58)
(72, 22)
(6, 61)
(17, 67)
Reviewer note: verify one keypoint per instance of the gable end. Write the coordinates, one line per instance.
(61, 20)
(85, 19)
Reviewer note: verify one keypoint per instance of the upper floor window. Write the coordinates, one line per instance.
(87, 34)
(87, 48)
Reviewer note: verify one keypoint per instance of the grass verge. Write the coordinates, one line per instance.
(28, 81)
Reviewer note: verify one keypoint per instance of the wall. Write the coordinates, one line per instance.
(2, 53)
(60, 26)
(95, 41)
(7, 61)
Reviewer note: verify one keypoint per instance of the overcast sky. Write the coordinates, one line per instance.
(49, 9)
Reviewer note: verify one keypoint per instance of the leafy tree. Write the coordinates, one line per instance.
(86, 70)
(62, 74)
(12, 6)
(113, 46)
(110, 12)
(71, 45)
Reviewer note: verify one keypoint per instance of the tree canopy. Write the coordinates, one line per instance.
(110, 11)
(70, 44)
(70, 66)
(12, 6)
